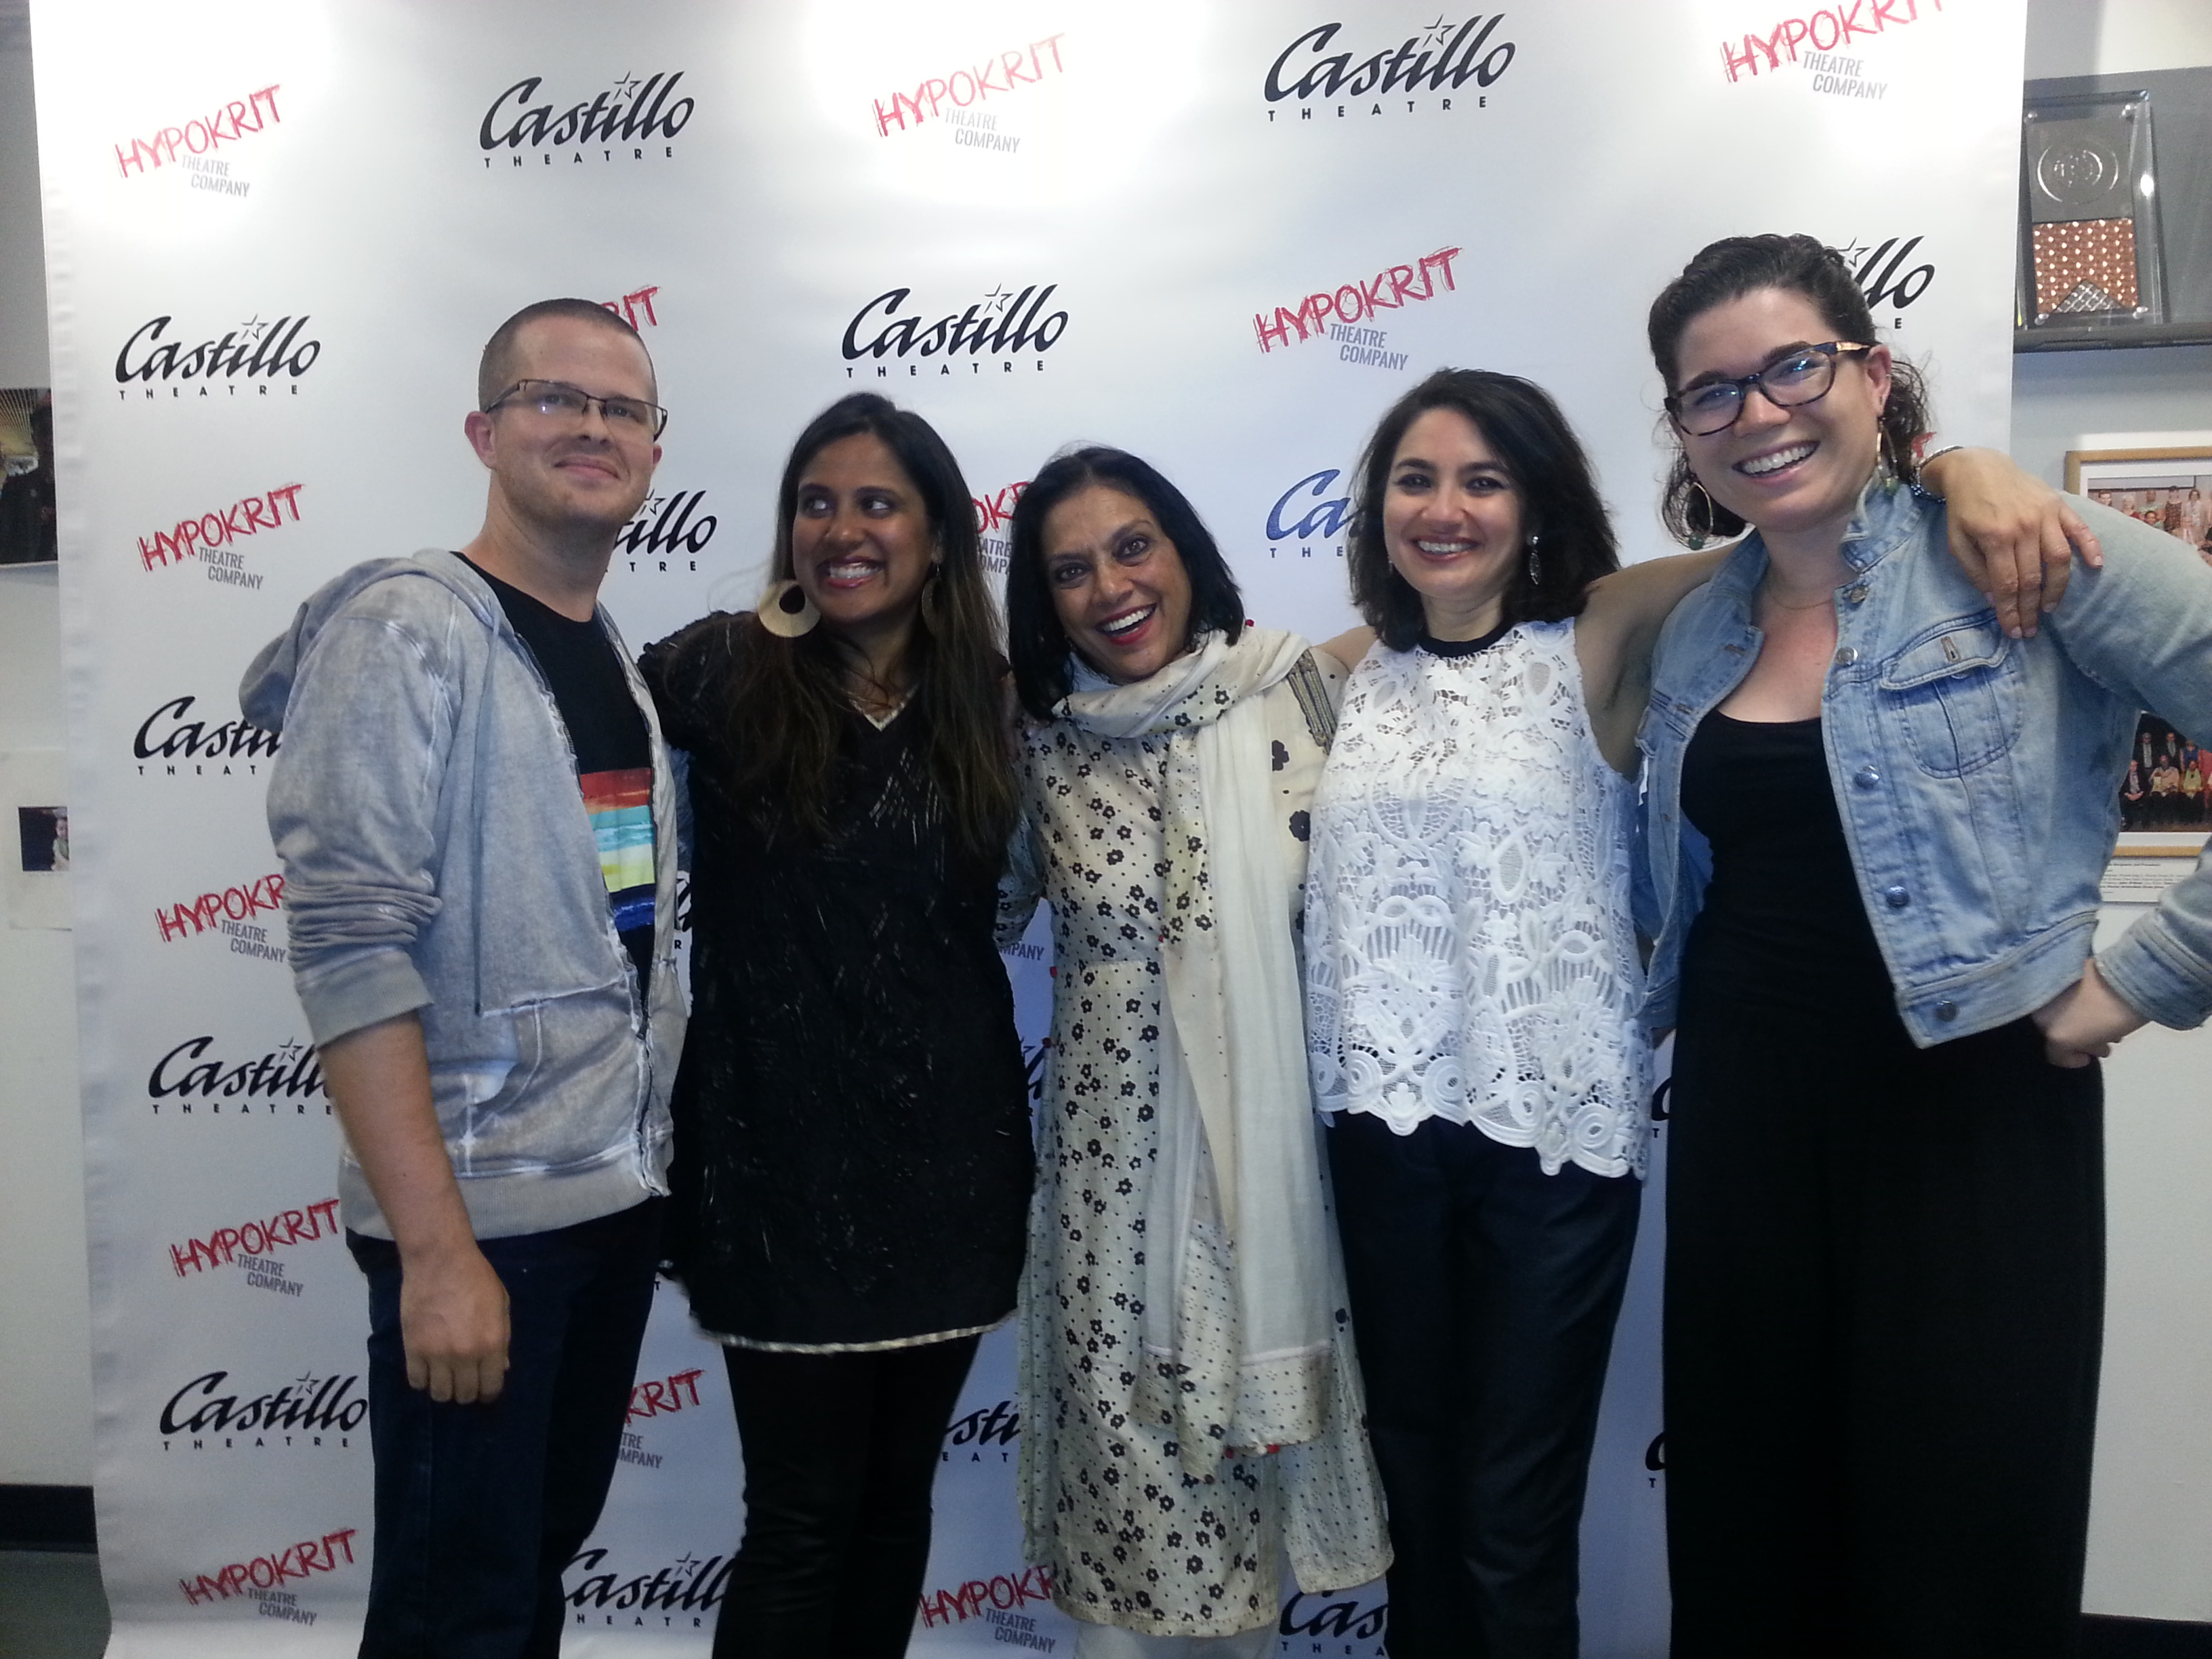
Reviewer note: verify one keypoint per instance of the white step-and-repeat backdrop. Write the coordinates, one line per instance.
(1223, 235)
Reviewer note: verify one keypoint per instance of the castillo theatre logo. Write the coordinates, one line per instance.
(174, 742)
(680, 1595)
(633, 120)
(309, 1411)
(669, 532)
(251, 357)
(1312, 511)
(1001, 326)
(1350, 1623)
(986, 1434)
(1888, 274)
(197, 1079)
(1401, 79)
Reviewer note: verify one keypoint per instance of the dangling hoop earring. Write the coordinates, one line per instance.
(931, 607)
(1700, 526)
(1535, 563)
(786, 611)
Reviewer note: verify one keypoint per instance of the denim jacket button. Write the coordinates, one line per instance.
(1946, 1010)
(1896, 897)
(1867, 776)
(1847, 656)
(1856, 593)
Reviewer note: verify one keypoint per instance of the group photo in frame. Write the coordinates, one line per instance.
(2166, 799)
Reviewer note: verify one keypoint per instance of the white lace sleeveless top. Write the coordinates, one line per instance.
(1469, 950)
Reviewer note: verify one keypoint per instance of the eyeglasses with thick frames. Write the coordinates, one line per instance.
(1801, 374)
(558, 399)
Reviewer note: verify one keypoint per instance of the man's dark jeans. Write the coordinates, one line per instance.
(479, 1508)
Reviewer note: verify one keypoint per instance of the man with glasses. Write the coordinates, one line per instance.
(477, 821)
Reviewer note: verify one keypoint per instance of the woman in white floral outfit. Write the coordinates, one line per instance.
(1190, 1401)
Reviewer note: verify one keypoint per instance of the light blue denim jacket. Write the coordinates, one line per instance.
(438, 858)
(1977, 777)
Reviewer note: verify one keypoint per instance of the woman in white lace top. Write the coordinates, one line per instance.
(1472, 980)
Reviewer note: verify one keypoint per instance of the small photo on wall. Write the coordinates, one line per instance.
(28, 519)
(44, 831)
(2170, 490)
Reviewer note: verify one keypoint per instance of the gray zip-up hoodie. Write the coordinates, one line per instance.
(437, 857)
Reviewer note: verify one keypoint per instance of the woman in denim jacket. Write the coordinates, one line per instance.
(1877, 819)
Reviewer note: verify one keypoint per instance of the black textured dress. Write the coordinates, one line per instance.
(852, 1157)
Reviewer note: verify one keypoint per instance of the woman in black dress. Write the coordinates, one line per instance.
(852, 1161)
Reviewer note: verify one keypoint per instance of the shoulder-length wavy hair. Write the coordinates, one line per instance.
(787, 701)
(1038, 645)
(1559, 502)
(1728, 269)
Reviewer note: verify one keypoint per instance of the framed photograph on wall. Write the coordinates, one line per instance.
(2166, 799)
(27, 476)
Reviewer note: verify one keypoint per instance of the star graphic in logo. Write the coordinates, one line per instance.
(253, 328)
(996, 300)
(307, 1382)
(1440, 31)
(626, 82)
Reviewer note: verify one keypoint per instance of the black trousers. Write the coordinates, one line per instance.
(841, 1451)
(1484, 1294)
(480, 1508)
(1885, 1283)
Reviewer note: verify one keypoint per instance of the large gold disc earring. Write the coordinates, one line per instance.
(786, 611)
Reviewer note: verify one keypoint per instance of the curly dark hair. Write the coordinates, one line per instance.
(1559, 501)
(787, 702)
(1727, 271)
(1035, 640)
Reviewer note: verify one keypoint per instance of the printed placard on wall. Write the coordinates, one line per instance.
(1223, 235)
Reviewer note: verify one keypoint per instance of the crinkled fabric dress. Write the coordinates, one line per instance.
(852, 1164)
(1133, 1537)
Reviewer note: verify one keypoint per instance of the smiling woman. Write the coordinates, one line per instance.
(852, 1157)
(1188, 1384)
(1877, 817)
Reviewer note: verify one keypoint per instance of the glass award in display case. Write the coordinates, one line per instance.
(2090, 253)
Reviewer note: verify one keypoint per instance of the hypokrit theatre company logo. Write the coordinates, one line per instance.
(635, 119)
(214, 538)
(247, 358)
(1001, 326)
(182, 739)
(1343, 77)
(956, 95)
(1821, 41)
(194, 145)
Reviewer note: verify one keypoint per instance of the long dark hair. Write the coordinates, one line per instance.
(1728, 269)
(787, 699)
(1559, 501)
(1036, 640)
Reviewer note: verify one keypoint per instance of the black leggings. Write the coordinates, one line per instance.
(841, 1451)
(1884, 1280)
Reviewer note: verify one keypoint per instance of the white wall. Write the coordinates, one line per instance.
(45, 1368)
(2150, 1530)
